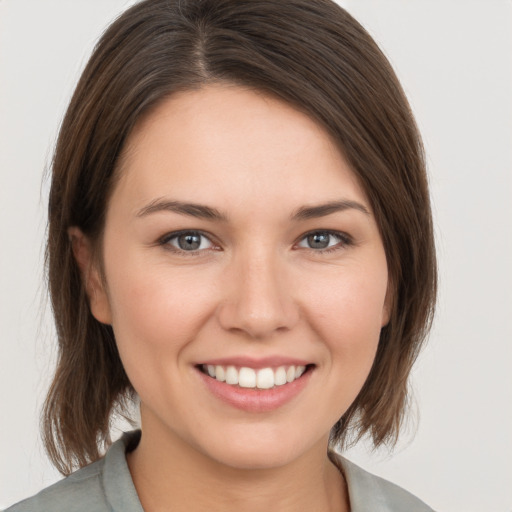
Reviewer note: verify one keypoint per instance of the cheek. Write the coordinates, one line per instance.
(155, 314)
(351, 299)
(347, 314)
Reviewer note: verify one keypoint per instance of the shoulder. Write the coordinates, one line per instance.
(370, 492)
(103, 486)
(78, 492)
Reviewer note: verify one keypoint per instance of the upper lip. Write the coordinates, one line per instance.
(262, 362)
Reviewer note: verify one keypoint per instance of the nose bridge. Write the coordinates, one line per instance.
(259, 300)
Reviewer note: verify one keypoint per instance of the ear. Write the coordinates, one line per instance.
(91, 275)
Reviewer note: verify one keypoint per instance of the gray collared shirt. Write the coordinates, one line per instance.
(107, 486)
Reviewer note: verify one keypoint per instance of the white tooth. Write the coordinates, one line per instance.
(211, 370)
(280, 376)
(247, 378)
(290, 374)
(299, 371)
(265, 378)
(220, 374)
(231, 375)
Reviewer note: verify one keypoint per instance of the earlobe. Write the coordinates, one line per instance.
(91, 275)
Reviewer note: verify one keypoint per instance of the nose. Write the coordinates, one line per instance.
(258, 299)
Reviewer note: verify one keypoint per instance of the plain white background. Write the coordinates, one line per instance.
(454, 60)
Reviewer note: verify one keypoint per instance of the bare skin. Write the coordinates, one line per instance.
(319, 488)
(238, 232)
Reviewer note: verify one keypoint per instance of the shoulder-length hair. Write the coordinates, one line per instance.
(309, 53)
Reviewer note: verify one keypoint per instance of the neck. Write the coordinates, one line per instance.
(169, 474)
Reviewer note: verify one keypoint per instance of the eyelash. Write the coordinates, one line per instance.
(344, 241)
(165, 242)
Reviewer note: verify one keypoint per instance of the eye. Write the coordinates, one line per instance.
(324, 240)
(188, 241)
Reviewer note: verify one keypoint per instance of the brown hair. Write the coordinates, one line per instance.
(311, 54)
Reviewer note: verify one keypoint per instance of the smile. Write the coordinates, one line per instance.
(255, 385)
(261, 378)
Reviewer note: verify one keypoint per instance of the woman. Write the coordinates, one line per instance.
(240, 236)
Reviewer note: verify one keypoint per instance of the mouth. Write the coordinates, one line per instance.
(265, 378)
(256, 386)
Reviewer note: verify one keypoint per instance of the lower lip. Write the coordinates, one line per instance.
(253, 399)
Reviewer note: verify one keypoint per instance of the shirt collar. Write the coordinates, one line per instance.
(117, 480)
(366, 491)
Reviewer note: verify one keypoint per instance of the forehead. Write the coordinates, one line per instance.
(236, 142)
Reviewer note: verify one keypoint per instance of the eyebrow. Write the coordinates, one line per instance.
(192, 209)
(322, 210)
(207, 212)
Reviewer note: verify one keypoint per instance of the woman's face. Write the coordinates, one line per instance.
(238, 242)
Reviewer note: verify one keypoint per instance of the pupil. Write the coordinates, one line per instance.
(189, 242)
(318, 240)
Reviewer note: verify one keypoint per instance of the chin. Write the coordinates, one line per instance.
(263, 450)
(247, 458)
